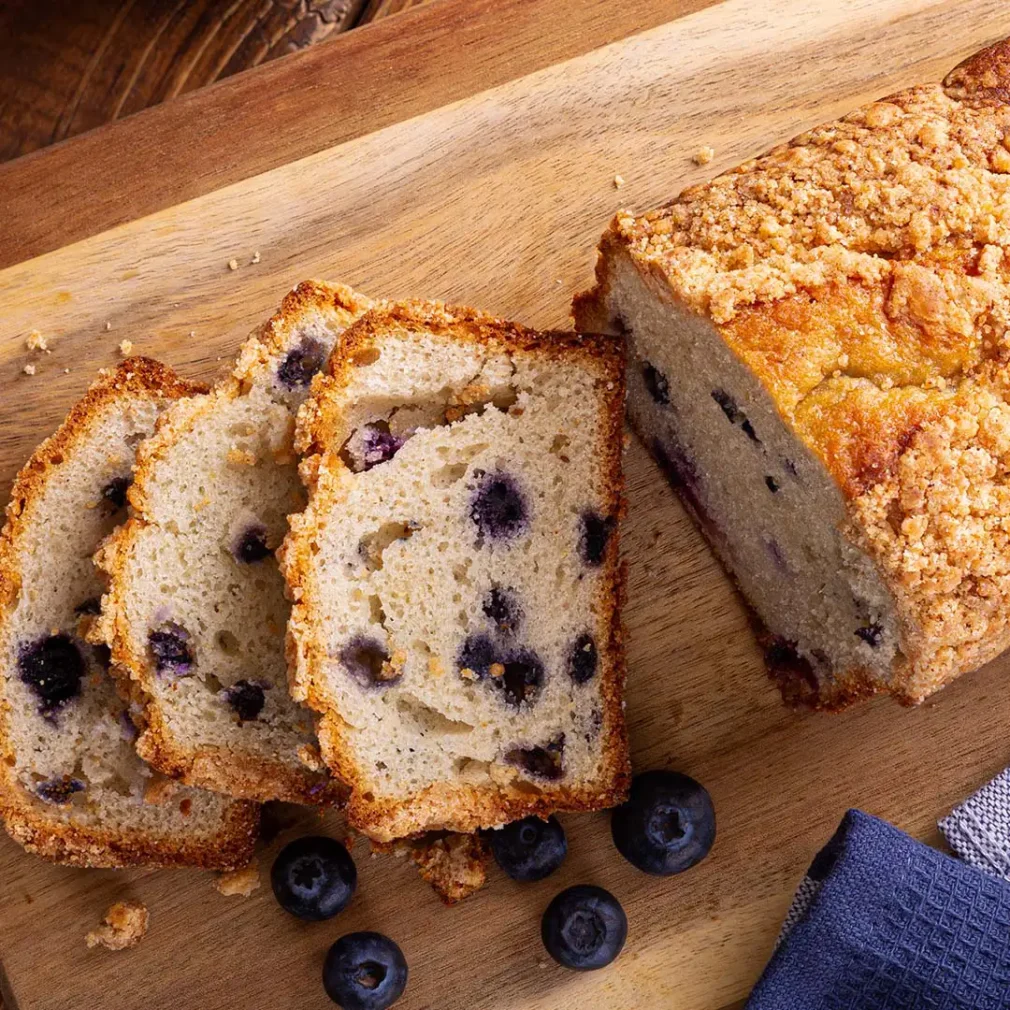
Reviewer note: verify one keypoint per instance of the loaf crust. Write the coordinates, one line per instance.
(860, 272)
(244, 773)
(25, 819)
(455, 806)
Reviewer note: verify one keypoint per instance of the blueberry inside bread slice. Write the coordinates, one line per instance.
(818, 347)
(72, 787)
(195, 612)
(455, 575)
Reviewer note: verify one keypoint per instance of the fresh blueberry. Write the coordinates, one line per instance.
(59, 790)
(530, 849)
(667, 824)
(477, 655)
(584, 928)
(251, 546)
(541, 762)
(498, 507)
(582, 659)
(301, 363)
(91, 606)
(367, 661)
(114, 493)
(313, 878)
(170, 648)
(364, 971)
(521, 677)
(246, 699)
(656, 383)
(871, 634)
(594, 537)
(502, 608)
(52, 667)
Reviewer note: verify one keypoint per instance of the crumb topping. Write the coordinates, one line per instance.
(124, 926)
(241, 882)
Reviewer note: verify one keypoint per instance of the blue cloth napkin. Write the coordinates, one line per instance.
(883, 921)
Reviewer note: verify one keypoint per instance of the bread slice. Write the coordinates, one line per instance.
(818, 345)
(72, 788)
(195, 612)
(455, 575)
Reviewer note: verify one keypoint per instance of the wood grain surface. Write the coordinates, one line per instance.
(69, 67)
(496, 199)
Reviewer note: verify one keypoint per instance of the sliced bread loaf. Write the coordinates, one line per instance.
(455, 575)
(195, 612)
(819, 345)
(71, 785)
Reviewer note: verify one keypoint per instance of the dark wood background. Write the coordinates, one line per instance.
(67, 66)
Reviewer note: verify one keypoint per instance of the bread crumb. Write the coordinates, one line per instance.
(255, 258)
(703, 155)
(310, 756)
(36, 342)
(496, 670)
(241, 457)
(28, 369)
(126, 348)
(192, 333)
(618, 181)
(455, 865)
(160, 790)
(233, 264)
(124, 926)
(241, 882)
(66, 371)
(108, 325)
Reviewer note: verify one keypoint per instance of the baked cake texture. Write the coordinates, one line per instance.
(72, 788)
(455, 575)
(195, 611)
(818, 355)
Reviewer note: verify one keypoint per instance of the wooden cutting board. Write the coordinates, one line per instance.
(473, 158)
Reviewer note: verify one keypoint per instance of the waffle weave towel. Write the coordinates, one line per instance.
(979, 829)
(886, 923)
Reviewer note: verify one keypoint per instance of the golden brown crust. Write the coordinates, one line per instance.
(68, 843)
(246, 775)
(458, 807)
(860, 272)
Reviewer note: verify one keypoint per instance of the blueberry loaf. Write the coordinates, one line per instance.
(195, 612)
(455, 575)
(72, 788)
(818, 348)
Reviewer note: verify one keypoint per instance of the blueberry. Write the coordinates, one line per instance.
(364, 971)
(667, 824)
(502, 608)
(59, 790)
(170, 648)
(540, 762)
(91, 606)
(584, 928)
(52, 667)
(367, 661)
(594, 537)
(582, 659)
(656, 383)
(521, 677)
(301, 363)
(498, 507)
(477, 655)
(313, 878)
(114, 493)
(378, 445)
(871, 634)
(246, 699)
(251, 546)
(530, 849)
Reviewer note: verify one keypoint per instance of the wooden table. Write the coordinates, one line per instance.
(436, 154)
(66, 67)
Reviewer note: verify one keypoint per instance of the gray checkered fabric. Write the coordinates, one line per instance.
(802, 900)
(978, 830)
